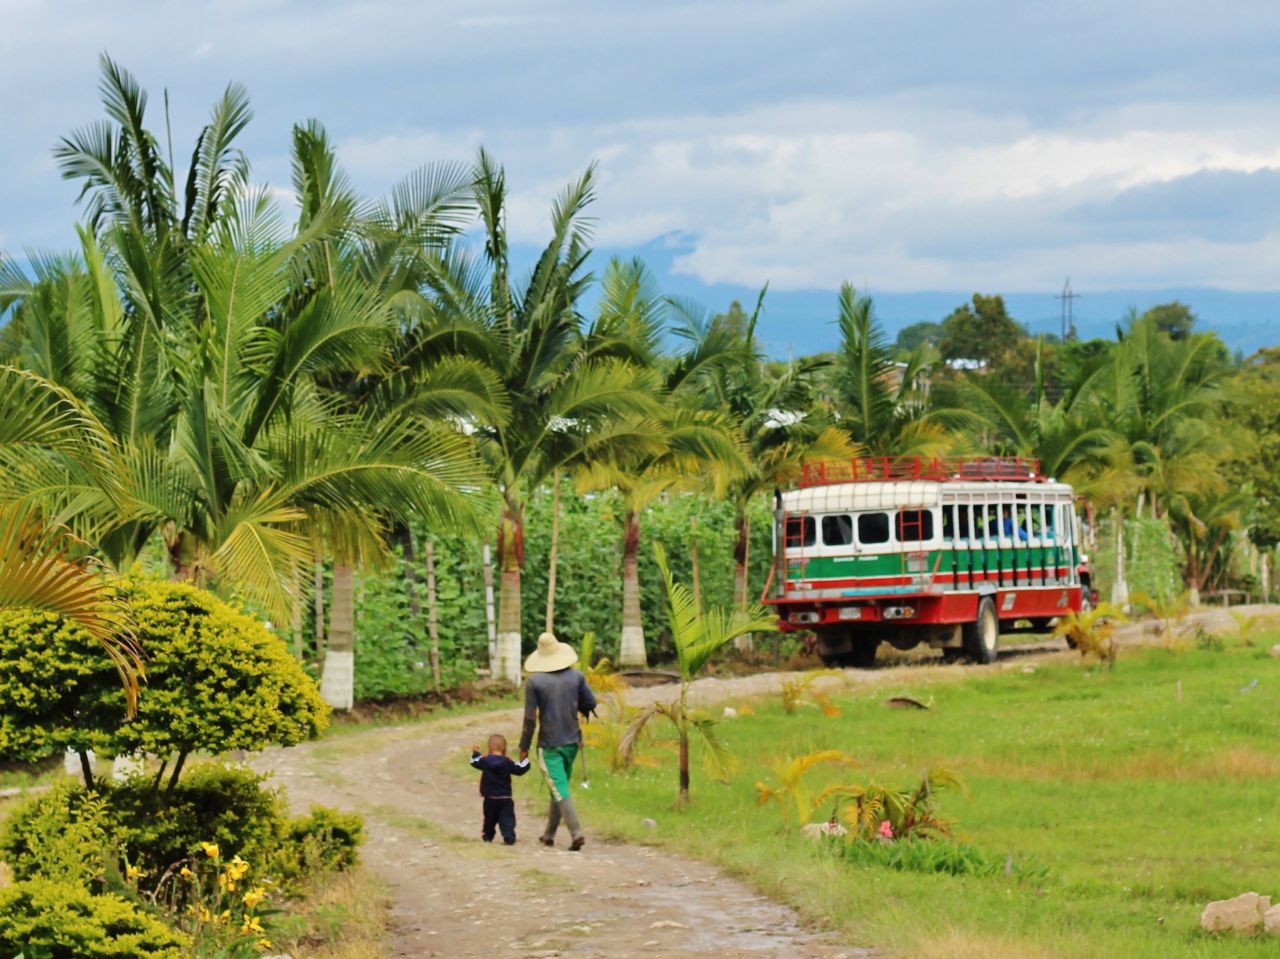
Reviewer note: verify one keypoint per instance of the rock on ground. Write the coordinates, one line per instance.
(1242, 914)
(1271, 921)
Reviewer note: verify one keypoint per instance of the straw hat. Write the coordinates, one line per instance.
(550, 655)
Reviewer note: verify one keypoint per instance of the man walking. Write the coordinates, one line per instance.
(554, 696)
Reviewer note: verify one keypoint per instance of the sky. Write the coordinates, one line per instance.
(921, 150)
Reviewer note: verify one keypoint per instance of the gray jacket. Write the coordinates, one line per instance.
(552, 702)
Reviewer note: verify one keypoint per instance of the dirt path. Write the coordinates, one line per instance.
(457, 897)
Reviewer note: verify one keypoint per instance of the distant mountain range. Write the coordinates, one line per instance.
(800, 322)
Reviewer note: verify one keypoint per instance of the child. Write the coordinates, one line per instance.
(496, 770)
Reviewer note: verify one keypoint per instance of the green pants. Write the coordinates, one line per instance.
(557, 765)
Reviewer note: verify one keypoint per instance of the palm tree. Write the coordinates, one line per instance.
(698, 635)
(883, 405)
(695, 449)
(569, 391)
(783, 426)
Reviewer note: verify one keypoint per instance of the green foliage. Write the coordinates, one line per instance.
(63, 836)
(981, 331)
(946, 856)
(325, 839)
(217, 680)
(791, 792)
(154, 829)
(1090, 632)
(1153, 565)
(62, 920)
(874, 811)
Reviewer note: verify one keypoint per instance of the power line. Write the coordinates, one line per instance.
(1068, 318)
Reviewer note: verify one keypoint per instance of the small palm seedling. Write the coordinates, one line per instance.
(1169, 610)
(792, 793)
(1090, 632)
(698, 635)
(600, 673)
(804, 689)
(873, 811)
(1248, 627)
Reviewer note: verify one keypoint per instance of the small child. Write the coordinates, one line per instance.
(496, 770)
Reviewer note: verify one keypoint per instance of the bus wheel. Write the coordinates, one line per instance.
(982, 636)
(863, 655)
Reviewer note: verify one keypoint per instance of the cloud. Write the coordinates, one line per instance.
(929, 145)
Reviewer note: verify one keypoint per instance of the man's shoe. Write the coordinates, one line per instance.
(546, 840)
(577, 844)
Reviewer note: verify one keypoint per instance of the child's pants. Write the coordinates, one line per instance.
(500, 813)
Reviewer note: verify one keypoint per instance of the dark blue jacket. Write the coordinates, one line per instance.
(496, 771)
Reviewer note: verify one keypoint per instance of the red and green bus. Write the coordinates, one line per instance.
(946, 552)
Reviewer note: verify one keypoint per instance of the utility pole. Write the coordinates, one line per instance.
(1068, 319)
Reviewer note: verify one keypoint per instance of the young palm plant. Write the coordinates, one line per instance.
(697, 636)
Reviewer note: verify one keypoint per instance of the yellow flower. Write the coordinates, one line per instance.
(251, 924)
(263, 943)
(237, 868)
(185, 872)
(254, 896)
(132, 873)
(202, 913)
(210, 849)
(224, 916)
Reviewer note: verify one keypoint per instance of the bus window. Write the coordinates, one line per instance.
(837, 530)
(963, 529)
(800, 532)
(914, 525)
(873, 528)
(949, 523)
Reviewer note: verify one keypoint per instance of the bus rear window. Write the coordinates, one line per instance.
(873, 527)
(837, 530)
(801, 531)
(914, 525)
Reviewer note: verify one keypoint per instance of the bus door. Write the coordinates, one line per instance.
(799, 536)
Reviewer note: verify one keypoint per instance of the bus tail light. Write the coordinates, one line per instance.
(899, 612)
(800, 619)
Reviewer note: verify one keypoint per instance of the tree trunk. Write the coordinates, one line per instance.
(631, 651)
(744, 643)
(319, 606)
(489, 617)
(433, 626)
(510, 561)
(86, 768)
(296, 625)
(1119, 588)
(1264, 576)
(555, 552)
(337, 678)
(684, 765)
(693, 556)
(405, 536)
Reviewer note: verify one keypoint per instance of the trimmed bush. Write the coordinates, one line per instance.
(216, 680)
(154, 829)
(60, 920)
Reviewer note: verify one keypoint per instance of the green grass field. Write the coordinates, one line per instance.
(1141, 805)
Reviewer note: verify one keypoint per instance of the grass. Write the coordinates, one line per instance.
(345, 916)
(1145, 792)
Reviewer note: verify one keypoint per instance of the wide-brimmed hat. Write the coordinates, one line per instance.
(550, 655)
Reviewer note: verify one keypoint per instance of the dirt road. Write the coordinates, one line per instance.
(457, 897)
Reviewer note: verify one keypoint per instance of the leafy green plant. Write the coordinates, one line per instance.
(946, 856)
(874, 811)
(1170, 610)
(698, 636)
(1090, 632)
(63, 920)
(217, 680)
(599, 672)
(792, 793)
(1248, 627)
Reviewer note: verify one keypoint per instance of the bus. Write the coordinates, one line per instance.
(947, 552)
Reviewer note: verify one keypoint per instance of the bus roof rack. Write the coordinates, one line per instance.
(887, 469)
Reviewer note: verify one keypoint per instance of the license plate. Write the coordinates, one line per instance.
(850, 612)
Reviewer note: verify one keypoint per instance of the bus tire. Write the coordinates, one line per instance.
(863, 654)
(982, 636)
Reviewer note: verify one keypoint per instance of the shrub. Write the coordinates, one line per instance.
(216, 680)
(154, 829)
(61, 920)
(325, 839)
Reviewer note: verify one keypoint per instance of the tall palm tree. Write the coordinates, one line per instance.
(883, 405)
(694, 449)
(569, 391)
(783, 425)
